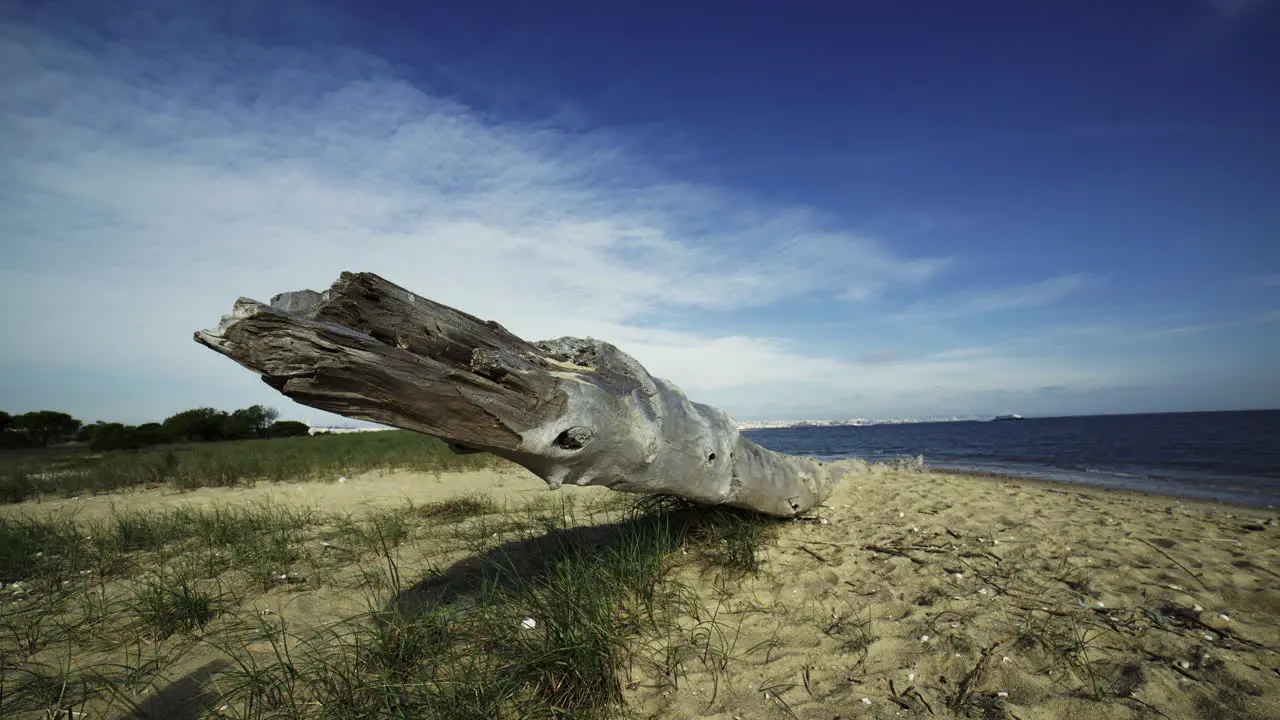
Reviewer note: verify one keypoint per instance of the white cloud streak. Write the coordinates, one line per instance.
(1005, 299)
(1266, 318)
(144, 189)
(1262, 281)
(1237, 9)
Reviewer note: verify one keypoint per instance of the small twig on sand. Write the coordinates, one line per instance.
(815, 556)
(1171, 664)
(891, 551)
(1175, 562)
(964, 689)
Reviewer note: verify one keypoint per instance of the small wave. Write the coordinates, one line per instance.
(57, 474)
(1118, 473)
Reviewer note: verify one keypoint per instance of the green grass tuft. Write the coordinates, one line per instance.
(62, 471)
(170, 602)
(457, 509)
(549, 617)
(729, 538)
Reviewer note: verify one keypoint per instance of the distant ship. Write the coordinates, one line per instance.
(1010, 416)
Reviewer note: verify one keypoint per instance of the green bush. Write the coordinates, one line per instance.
(288, 428)
(196, 424)
(114, 436)
(33, 473)
(42, 427)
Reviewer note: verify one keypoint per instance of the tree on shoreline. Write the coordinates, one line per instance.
(44, 427)
(41, 427)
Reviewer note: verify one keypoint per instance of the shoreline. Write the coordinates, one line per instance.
(383, 488)
(1065, 485)
(1047, 599)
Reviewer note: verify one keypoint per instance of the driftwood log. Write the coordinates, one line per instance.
(570, 410)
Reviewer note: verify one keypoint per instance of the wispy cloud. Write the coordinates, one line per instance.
(1271, 280)
(148, 182)
(1005, 299)
(148, 187)
(1235, 9)
(961, 353)
(879, 357)
(1265, 318)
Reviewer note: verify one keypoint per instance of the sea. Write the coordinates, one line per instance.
(1228, 456)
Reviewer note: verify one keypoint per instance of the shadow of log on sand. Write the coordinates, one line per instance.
(188, 698)
(529, 561)
(521, 562)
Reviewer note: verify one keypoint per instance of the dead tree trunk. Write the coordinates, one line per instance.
(570, 410)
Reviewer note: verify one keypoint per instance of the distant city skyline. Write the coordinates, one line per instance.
(879, 210)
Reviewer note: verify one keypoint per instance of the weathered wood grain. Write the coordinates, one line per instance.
(571, 410)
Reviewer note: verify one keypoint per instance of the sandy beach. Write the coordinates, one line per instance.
(1057, 594)
(906, 595)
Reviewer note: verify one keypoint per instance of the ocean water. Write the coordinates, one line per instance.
(1232, 456)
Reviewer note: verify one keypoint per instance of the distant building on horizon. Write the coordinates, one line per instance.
(330, 430)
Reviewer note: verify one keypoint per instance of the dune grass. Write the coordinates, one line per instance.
(552, 608)
(27, 474)
(571, 608)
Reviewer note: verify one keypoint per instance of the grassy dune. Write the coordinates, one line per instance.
(27, 474)
(478, 594)
(553, 600)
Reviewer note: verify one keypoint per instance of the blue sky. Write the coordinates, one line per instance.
(792, 210)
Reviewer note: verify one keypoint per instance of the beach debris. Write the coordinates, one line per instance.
(528, 623)
(1224, 616)
(571, 410)
(1002, 694)
(342, 479)
(1197, 608)
(924, 638)
(866, 701)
